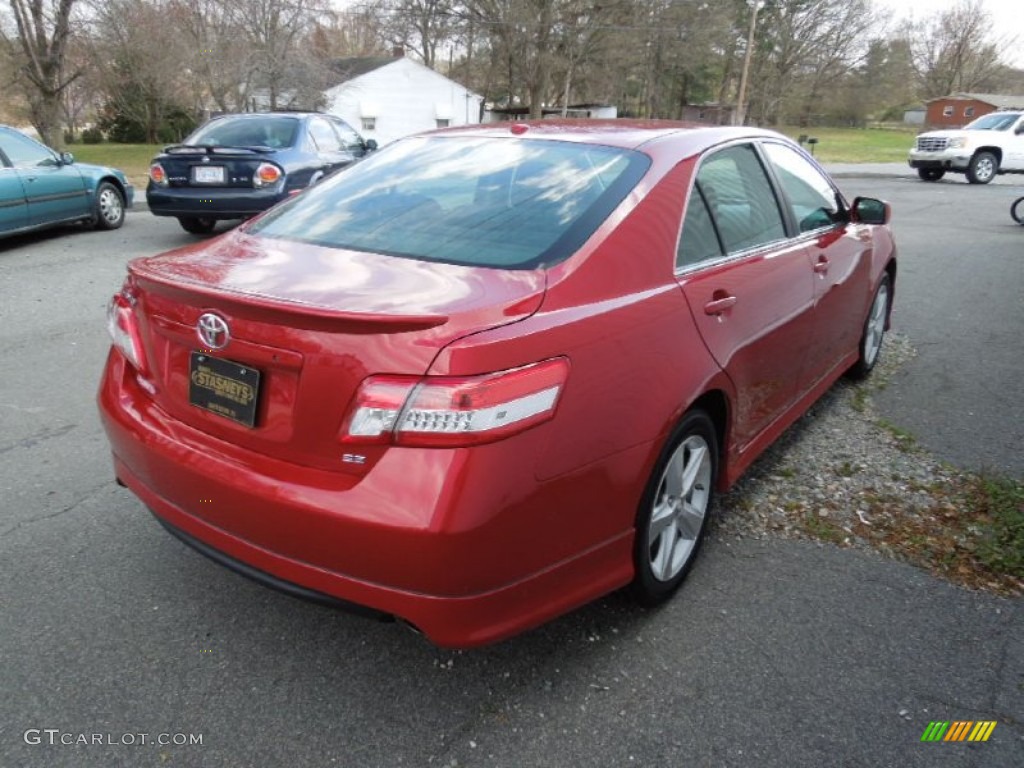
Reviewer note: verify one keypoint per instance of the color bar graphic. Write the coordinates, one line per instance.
(958, 730)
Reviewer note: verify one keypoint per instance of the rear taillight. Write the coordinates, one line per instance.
(454, 411)
(266, 175)
(158, 175)
(124, 328)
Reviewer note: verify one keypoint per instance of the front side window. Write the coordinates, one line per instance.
(349, 138)
(740, 199)
(23, 152)
(497, 202)
(994, 121)
(810, 195)
(324, 136)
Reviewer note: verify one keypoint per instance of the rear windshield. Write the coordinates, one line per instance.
(497, 202)
(270, 131)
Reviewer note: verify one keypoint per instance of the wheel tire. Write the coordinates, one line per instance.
(1017, 210)
(874, 330)
(196, 225)
(109, 207)
(930, 174)
(983, 168)
(670, 527)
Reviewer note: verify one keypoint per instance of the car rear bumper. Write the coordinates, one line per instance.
(211, 203)
(408, 540)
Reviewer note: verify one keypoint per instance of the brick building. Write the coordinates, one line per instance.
(959, 109)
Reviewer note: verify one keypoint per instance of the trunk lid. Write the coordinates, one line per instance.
(314, 322)
(206, 166)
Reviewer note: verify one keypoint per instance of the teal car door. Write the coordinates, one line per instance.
(55, 191)
(13, 207)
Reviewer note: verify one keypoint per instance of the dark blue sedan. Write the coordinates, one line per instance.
(236, 166)
(41, 188)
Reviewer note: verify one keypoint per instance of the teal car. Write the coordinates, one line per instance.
(41, 188)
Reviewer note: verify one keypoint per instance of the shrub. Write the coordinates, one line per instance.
(92, 136)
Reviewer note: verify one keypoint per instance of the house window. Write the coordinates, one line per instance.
(369, 123)
(443, 122)
(968, 111)
(947, 111)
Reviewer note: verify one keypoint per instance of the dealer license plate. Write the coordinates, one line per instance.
(224, 387)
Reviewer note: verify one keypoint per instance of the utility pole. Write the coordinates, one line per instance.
(739, 115)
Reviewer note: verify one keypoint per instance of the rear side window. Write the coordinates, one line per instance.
(498, 202)
(740, 199)
(699, 241)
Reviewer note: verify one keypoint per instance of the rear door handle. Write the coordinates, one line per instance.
(720, 305)
(821, 265)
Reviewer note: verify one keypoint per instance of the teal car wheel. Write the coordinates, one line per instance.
(109, 212)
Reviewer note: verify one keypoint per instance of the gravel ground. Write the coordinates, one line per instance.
(843, 475)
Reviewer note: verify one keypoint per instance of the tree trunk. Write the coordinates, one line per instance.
(45, 113)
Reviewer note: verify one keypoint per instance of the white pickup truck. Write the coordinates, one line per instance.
(992, 144)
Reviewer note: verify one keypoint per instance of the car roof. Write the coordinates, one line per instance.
(256, 115)
(687, 138)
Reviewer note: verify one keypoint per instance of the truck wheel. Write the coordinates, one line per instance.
(1017, 210)
(930, 174)
(983, 168)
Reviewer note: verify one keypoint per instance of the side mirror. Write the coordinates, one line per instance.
(370, 144)
(66, 158)
(868, 210)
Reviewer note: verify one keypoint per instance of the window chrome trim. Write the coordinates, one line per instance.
(755, 142)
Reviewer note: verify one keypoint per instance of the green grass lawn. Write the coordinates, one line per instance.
(858, 145)
(133, 159)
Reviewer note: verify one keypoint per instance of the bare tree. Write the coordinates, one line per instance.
(43, 32)
(357, 31)
(142, 83)
(421, 26)
(955, 50)
(277, 32)
(219, 57)
(804, 47)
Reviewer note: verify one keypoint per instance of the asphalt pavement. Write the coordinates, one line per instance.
(775, 653)
(960, 300)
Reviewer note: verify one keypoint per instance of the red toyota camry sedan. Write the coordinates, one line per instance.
(489, 374)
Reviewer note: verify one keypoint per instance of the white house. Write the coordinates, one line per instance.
(387, 98)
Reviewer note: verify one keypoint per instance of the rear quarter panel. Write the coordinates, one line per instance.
(637, 363)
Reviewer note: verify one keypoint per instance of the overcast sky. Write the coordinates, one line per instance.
(1007, 20)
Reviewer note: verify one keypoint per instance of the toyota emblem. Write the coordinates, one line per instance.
(213, 331)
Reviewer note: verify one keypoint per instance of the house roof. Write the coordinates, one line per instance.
(354, 66)
(998, 100)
